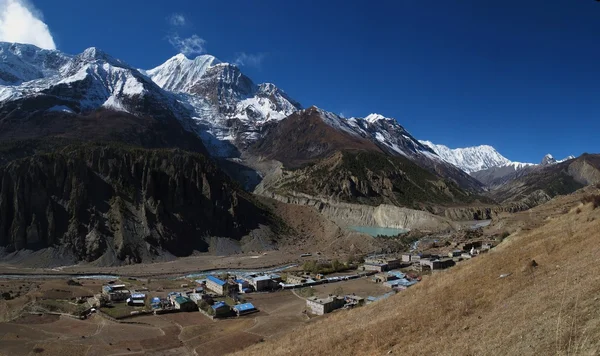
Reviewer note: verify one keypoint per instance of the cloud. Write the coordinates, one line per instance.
(177, 20)
(250, 60)
(21, 22)
(188, 46)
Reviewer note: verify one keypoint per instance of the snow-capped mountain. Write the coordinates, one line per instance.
(212, 99)
(79, 84)
(473, 159)
(21, 63)
(318, 133)
(486, 164)
(229, 109)
(389, 134)
(549, 159)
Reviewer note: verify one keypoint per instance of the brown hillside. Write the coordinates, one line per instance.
(304, 137)
(553, 308)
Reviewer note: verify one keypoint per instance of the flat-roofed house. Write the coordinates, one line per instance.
(217, 285)
(221, 309)
(320, 306)
(246, 308)
(185, 304)
(294, 279)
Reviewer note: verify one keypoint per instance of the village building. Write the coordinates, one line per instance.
(434, 264)
(137, 299)
(172, 295)
(221, 309)
(185, 304)
(195, 297)
(384, 277)
(353, 301)
(243, 286)
(401, 283)
(455, 253)
(243, 309)
(294, 279)
(321, 306)
(410, 258)
(381, 264)
(265, 282)
(116, 293)
(217, 285)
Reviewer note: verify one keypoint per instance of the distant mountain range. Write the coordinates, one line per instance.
(53, 104)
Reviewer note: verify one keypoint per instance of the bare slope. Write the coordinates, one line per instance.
(549, 309)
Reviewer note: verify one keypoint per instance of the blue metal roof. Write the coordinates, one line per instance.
(262, 278)
(138, 296)
(240, 281)
(156, 300)
(216, 280)
(401, 282)
(244, 307)
(219, 305)
(397, 274)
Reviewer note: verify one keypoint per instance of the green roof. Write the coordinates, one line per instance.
(182, 300)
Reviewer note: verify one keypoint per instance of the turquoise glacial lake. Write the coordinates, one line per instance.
(378, 231)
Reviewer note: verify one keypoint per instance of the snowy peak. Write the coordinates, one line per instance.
(332, 120)
(21, 63)
(372, 118)
(181, 74)
(548, 159)
(471, 159)
(81, 83)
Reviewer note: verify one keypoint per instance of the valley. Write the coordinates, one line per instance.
(186, 209)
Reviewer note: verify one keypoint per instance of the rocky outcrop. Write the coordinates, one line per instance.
(115, 204)
(478, 212)
(369, 178)
(346, 214)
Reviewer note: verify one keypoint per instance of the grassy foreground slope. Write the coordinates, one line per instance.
(553, 308)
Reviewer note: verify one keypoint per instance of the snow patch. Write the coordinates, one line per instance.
(61, 108)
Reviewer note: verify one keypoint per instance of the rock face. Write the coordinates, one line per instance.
(346, 214)
(551, 180)
(369, 178)
(114, 204)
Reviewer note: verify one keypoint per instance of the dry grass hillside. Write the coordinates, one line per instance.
(551, 308)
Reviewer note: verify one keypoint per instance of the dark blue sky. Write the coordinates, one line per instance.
(523, 76)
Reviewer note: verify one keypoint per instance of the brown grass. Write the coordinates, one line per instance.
(552, 308)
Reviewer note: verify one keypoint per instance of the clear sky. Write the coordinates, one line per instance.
(522, 76)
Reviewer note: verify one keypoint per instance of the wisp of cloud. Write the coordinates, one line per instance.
(177, 20)
(246, 59)
(188, 46)
(20, 22)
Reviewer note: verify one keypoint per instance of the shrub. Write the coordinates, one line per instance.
(594, 199)
(578, 211)
(73, 283)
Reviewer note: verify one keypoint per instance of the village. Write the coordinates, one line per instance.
(228, 295)
(218, 311)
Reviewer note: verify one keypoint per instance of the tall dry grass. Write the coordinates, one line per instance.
(549, 309)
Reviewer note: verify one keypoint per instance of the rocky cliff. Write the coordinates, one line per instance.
(369, 178)
(114, 204)
(384, 215)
